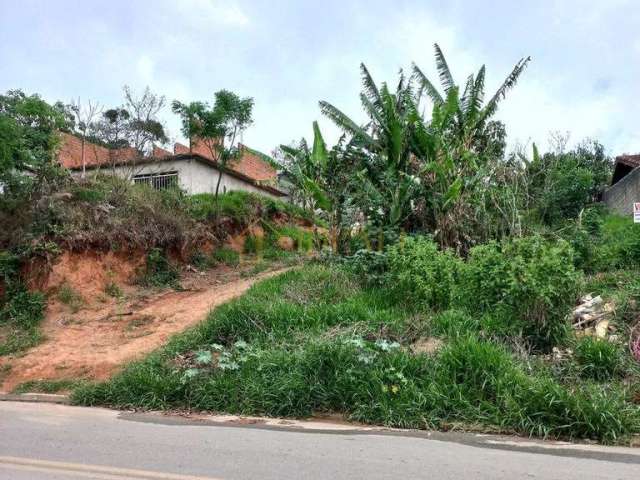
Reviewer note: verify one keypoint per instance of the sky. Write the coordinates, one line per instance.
(583, 79)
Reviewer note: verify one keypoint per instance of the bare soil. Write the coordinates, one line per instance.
(96, 340)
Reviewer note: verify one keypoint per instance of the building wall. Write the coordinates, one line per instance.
(621, 196)
(193, 176)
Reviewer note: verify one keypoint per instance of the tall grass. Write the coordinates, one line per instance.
(313, 340)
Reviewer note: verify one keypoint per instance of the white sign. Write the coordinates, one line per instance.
(636, 212)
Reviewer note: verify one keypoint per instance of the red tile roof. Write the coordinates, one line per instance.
(249, 166)
(70, 153)
(629, 160)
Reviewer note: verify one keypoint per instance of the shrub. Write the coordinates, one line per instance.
(421, 274)
(303, 239)
(599, 359)
(23, 309)
(369, 266)
(526, 284)
(70, 297)
(619, 246)
(159, 272)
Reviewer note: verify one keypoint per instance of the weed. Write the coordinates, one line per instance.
(112, 289)
(70, 297)
(159, 272)
(226, 256)
(48, 386)
(314, 339)
(524, 286)
(421, 274)
(599, 359)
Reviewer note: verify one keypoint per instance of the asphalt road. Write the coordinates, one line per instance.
(44, 441)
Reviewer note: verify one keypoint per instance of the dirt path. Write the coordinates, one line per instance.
(96, 341)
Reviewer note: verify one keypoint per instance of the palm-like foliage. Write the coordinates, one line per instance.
(386, 138)
(472, 113)
(442, 174)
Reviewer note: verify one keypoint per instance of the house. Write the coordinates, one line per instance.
(625, 185)
(193, 168)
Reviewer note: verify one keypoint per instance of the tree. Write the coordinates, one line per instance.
(143, 124)
(217, 127)
(385, 148)
(28, 170)
(471, 122)
(84, 116)
(563, 182)
(28, 132)
(324, 178)
(440, 174)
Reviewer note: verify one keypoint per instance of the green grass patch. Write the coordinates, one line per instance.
(226, 256)
(158, 271)
(70, 297)
(243, 207)
(48, 386)
(315, 340)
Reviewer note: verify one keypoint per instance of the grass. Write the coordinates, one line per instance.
(20, 318)
(48, 386)
(314, 340)
(159, 271)
(226, 256)
(243, 207)
(70, 297)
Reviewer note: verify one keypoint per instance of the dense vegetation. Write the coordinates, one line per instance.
(444, 300)
(319, 340)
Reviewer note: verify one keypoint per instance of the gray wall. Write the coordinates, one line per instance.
(193, 176)
(621, 196)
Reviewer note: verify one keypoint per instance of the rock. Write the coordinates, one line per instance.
(602, 327)
(286, 243)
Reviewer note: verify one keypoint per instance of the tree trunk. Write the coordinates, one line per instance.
(84, 163)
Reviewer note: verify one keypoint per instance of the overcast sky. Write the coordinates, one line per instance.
(584, 76)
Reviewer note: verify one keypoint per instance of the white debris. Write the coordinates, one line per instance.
(592, 316)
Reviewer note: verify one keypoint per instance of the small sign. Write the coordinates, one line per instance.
(636, 212)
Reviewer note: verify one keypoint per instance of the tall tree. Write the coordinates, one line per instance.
(385, 143)
(471, 123)
(144, 125)
(84, 114)
(218, 127)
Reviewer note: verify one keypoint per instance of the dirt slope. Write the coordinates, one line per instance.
(94, 342)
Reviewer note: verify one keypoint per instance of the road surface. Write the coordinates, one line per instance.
(44, 441)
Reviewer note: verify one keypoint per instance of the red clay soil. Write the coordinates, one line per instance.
(105, 333)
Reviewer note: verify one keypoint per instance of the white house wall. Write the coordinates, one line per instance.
(193, 176)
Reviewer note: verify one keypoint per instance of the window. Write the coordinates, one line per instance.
(159, 181)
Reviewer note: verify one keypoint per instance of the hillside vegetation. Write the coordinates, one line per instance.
(459, 286)
(430, 341)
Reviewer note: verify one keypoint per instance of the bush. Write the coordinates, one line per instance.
(619, 246)
(528, 285)
(421, 274)
(369, 266)
(599, 359)
(158, 271)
